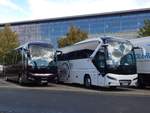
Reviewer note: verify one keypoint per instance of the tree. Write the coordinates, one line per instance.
(74, 35)
(8, 41)
(145, 30)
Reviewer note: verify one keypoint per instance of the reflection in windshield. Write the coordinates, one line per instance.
(116, 50)
(118, 58)
(127, 65)
(39, 51)
(121, 59)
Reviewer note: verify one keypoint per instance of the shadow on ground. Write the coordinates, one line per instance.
(31, 84)
(96, 88)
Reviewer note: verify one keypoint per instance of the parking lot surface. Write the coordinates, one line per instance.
(77, 88)
(64, 98)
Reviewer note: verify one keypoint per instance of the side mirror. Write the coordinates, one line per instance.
(27, 52)
(104, 45)
(58, 52)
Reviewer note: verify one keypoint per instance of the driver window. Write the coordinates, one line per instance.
(127, 60)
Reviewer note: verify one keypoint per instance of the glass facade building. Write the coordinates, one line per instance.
(120, 23)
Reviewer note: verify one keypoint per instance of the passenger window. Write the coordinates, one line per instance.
(80, 54)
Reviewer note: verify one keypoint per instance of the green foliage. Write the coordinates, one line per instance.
(8, 41)
(145, 30)
(73, 36)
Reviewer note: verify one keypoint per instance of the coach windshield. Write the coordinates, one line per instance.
(41, 51)
(120, 58)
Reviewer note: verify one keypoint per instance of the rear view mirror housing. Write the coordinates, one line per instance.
(104, 45)
(27, 52)
(58, 52)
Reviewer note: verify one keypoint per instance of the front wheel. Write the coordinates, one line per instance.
(21, 80)
(6, 78)
(140, 84)
(87, 81)
(57, 79)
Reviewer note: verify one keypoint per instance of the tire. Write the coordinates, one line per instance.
(6, 78)
(87, 82)
(45, 84)
(140, 84)
(57, 80)
(21, 80)
(113, 87)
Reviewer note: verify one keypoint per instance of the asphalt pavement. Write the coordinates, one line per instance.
(71, 99)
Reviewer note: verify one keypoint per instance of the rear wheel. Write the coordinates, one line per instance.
(87, 81)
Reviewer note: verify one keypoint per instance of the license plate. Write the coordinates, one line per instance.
(43, 81)
(124, 83)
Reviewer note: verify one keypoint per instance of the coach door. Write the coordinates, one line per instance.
(100, 63)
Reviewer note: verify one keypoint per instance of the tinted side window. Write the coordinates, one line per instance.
(71, 56)
(80, 54)
(62, 57)
(83, 54)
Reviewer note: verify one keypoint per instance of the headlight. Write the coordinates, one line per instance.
(135, 78)
(112, 78)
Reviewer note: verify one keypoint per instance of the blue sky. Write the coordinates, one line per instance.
(20, 10)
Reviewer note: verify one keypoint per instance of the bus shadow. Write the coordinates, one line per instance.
(117, 89)
(145, 88)
(94, 88)
(97, 88)
(31, 84)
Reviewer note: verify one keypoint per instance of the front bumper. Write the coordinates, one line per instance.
(121, 80)
(42, 77)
